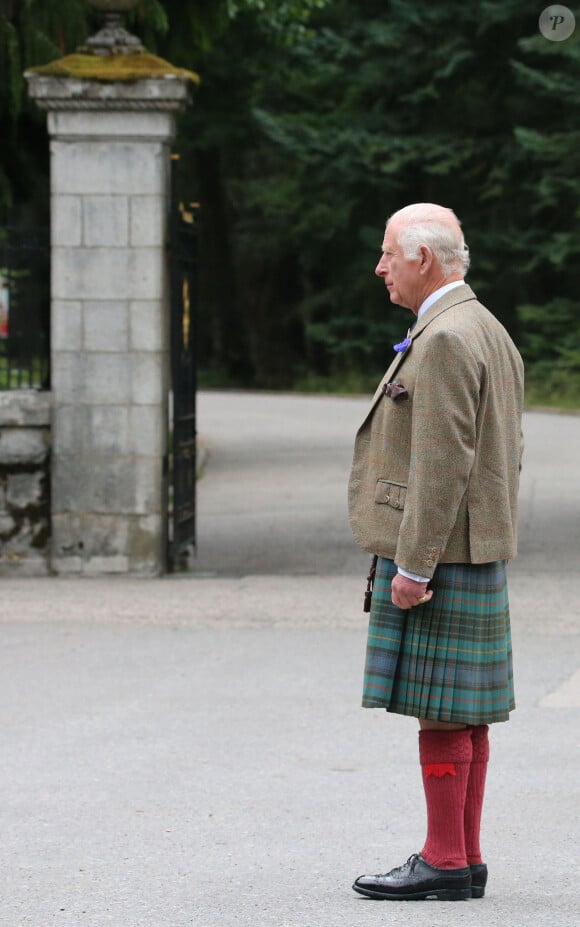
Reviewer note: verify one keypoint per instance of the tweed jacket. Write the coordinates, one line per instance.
(436, 469)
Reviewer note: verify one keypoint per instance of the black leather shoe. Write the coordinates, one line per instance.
(417, 880)
(478, 880)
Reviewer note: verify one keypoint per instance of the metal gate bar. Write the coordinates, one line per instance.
(24, 308)
(182, 470)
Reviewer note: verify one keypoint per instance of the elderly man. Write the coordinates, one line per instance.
(433, 494)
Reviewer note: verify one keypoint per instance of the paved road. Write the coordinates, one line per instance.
(191, 751)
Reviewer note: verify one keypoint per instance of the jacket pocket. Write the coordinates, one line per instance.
(393, 494)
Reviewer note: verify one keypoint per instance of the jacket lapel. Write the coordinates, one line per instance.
(395, 364)
(460, 294)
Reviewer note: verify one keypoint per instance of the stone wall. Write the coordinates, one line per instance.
(110, 191)
(25, 418)
(109, 340)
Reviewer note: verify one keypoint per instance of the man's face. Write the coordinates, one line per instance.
(401, 276)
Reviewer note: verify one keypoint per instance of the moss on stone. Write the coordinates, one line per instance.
(105, 68)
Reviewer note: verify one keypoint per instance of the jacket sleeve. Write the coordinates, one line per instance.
(443, 444)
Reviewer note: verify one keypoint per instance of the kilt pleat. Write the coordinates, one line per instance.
(447, 660)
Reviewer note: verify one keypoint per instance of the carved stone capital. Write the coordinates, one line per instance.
(164, 94)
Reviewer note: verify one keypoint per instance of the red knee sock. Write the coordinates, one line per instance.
(475, 792)
(445, 760)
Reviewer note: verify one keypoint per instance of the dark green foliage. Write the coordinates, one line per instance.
(384, 104)
(314, 121)
(31, 32)
(549, 245)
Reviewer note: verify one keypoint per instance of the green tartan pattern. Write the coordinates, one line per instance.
(447, 660)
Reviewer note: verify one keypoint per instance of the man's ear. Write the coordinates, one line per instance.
(425, 257)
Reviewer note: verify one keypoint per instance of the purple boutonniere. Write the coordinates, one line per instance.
(402, 346)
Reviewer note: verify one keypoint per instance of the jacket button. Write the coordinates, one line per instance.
(429, 562)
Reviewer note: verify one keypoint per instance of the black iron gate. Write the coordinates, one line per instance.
(182, 457)
(24, 307)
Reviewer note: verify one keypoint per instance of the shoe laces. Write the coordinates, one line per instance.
(410, 864)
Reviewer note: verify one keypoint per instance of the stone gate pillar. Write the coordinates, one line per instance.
(111, 120)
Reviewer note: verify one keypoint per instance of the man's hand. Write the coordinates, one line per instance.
(406, 593)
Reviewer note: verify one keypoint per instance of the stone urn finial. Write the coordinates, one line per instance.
(113, 38)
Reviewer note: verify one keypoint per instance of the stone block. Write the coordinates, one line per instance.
(106, 221)
(69, 429)
(92, 566)
(66, 566)
(147, 544)
(95, 544)
(124, 125)
(29, 540)
(99, 544)
(24, 490)
(66, 228)
(106, 326)
(91, 430)
(32, 563)
(107, 273)
(67, 538)
(108, 431)
(149, 486)
(148, 221)
(25, 407)
(97, 566)
(90, 535)
(23, 446)
(108, 380)
(147, 378)
(66, 325)
(148, 430)
(87, 167)
(68, 376)
(105, 485)
(90, 379)
(67, 494)
(148, 326)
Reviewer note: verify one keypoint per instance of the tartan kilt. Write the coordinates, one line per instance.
(447, 660)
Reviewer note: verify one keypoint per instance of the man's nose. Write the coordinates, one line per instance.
(380, 269)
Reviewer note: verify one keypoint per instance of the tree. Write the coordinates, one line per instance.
(199, 32)
(549, 247)
(34, 32)
(31, 32)
(313, 122)
(380, 106)
(347, 126)
(232, 45)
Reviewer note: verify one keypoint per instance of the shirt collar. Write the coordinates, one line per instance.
(433, 297)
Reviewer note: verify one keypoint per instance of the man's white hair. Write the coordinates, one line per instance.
(439, 229)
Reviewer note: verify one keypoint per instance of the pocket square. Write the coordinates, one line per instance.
(395, 390)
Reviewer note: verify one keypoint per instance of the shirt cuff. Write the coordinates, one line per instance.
(418, 579)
